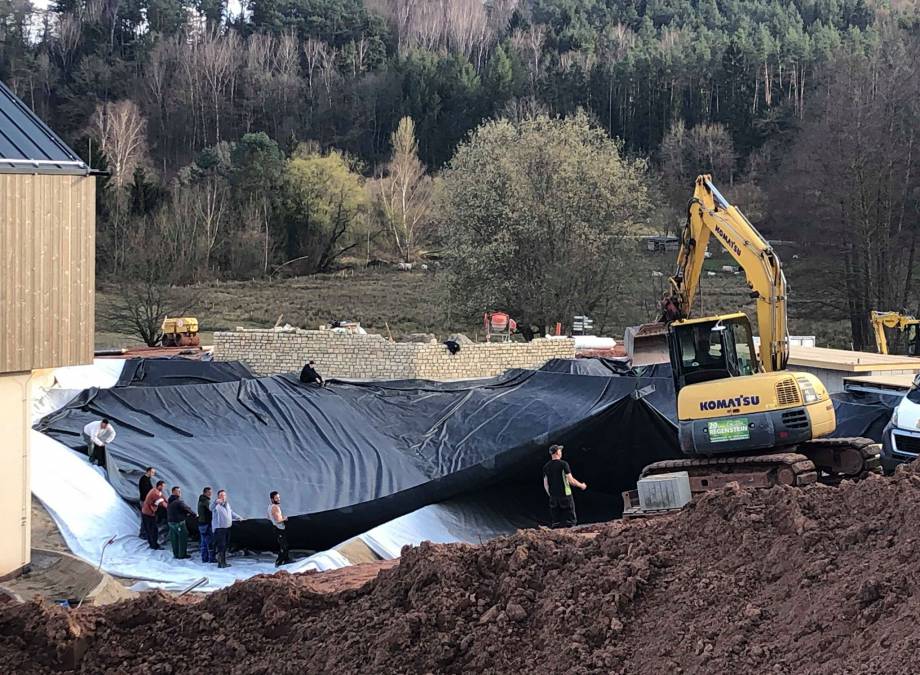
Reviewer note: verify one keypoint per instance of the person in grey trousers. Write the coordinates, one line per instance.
(221, 522)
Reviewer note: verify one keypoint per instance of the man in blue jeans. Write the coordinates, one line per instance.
(223, 517)
(204, 527)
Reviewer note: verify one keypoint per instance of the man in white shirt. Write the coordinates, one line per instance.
(97, 435)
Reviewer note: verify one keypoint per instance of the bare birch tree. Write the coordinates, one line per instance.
(465, 26)
(328, 70)
(218, 60)
(160, 79)
(362, 47)
(120, 130)
(69, 33)
(404, 194)
(285, 72)
(316, 53)
(426, 25)
(529, 44)
(257, 75)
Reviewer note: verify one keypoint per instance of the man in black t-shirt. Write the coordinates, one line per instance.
(558, 481)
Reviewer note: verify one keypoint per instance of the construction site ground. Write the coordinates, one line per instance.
(55, 575)
(786, 580)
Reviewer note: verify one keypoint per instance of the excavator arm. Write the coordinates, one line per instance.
(708, 214)
(882, 320)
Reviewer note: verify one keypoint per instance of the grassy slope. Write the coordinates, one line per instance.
(406, 301)
(414, 301)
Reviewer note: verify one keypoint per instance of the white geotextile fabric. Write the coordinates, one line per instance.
(89, 512)
(53, 392)
(103, 373)
(445, 523)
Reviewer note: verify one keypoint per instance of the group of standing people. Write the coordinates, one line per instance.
(214, 520)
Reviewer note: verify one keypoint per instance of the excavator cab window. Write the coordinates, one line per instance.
(711, 350)
(745, 358)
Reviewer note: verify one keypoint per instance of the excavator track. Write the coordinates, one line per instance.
(838, 459)
(759, 471)
(828, 460)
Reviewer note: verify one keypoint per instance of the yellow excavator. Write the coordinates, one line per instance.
(907, 325)
(742, 416)
(180, 332)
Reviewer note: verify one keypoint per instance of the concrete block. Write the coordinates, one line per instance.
(664, 491)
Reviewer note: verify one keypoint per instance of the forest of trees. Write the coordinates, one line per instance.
(295, 132)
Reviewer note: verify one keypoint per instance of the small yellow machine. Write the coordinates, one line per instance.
(907, 325)
(180, 332)
(742, 416)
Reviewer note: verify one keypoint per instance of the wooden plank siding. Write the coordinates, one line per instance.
(47, 271)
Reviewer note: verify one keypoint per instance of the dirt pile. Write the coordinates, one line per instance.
(822, 580)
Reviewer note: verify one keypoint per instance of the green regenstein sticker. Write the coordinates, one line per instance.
(729, 430)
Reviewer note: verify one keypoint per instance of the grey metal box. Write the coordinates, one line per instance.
(664, 491)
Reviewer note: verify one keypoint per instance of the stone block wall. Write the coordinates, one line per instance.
(269, 352)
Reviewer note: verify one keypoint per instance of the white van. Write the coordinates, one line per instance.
(901, 442)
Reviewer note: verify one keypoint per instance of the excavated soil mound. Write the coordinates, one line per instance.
(822, 580)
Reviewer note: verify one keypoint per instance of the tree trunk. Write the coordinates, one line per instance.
(265, 221)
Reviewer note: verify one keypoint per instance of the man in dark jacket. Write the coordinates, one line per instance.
(176, 513)
(204, 526)
(144, 486)
(309, 375)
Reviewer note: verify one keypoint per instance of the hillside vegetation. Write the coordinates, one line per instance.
(284, 140)
(392, 302)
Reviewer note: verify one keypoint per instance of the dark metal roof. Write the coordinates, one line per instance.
(27, 145)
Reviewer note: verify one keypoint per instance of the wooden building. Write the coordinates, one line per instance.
(47, 278)
(835, 367)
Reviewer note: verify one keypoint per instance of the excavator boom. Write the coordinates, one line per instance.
(899, 321)
(708, 214)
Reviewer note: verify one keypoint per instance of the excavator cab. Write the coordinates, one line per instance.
(913, 340)
(711, 348)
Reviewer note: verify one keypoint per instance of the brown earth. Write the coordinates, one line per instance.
(57, 575)
(45, 533)
(821, 580)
